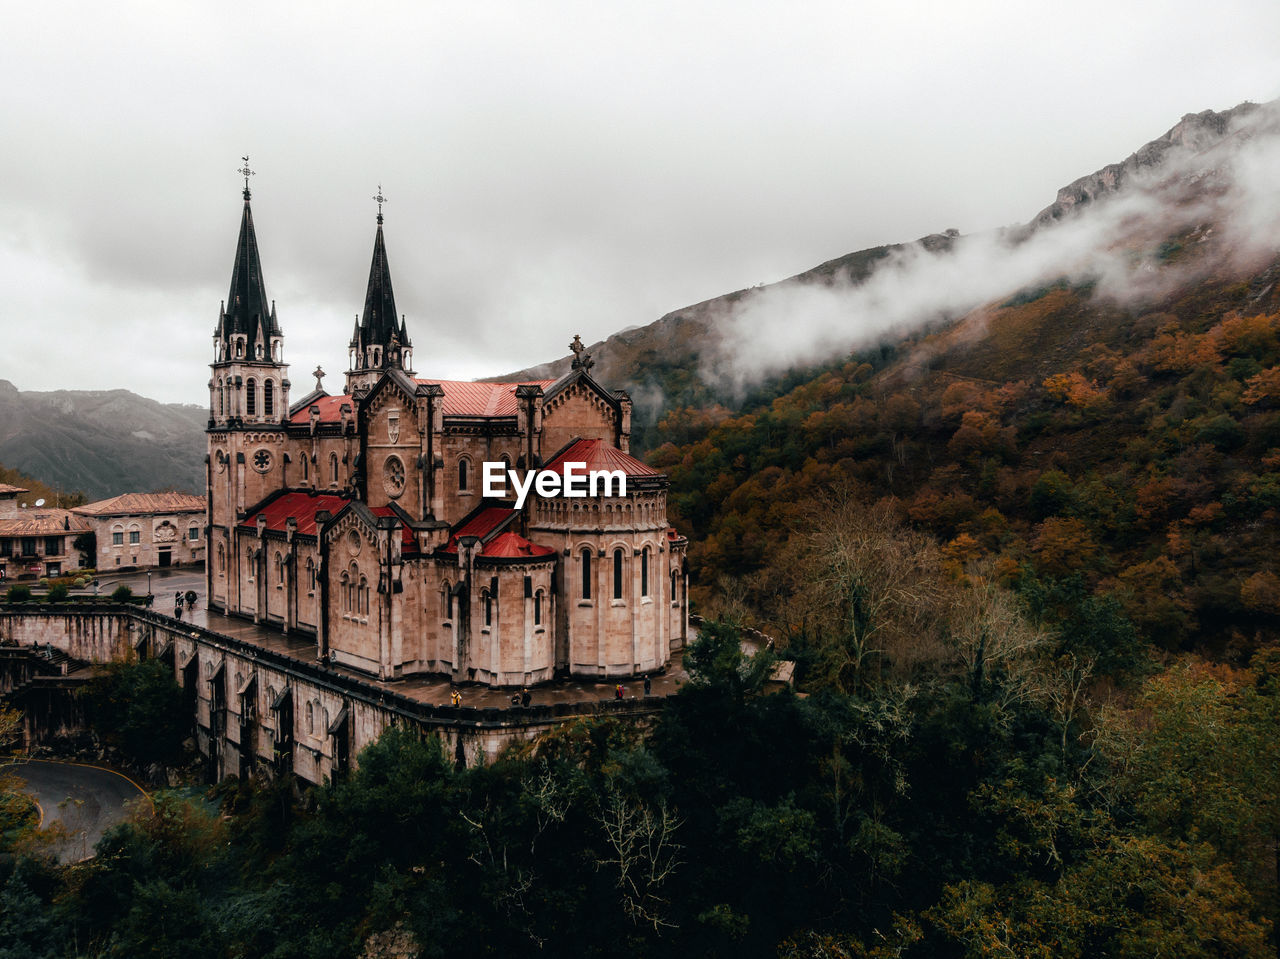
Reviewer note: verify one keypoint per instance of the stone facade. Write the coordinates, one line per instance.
(361, 517)
(36, 541)
(144, 530)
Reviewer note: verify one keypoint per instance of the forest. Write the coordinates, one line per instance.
(951, 778)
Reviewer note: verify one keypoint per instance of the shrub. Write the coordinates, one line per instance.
(122, 594)
(19, 594)
(57, 593)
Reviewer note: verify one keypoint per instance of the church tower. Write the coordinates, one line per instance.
(250, 385)
(248, 456)
(379, 342)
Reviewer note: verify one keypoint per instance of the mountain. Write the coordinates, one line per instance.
(102, 442)
(1100, 429)
(744, 344)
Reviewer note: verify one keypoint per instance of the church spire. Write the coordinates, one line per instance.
(247, 311)
(380, 340)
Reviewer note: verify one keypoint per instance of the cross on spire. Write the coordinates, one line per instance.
(581, 358)
(381, 200)
(245, 172)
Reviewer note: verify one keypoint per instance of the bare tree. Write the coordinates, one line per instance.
(645, 854)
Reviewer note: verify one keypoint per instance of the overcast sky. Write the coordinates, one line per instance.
(551, 168)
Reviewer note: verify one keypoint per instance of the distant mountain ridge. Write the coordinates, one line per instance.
(102, 442)
(675, 361)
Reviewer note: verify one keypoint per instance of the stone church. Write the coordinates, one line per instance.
(360, 519)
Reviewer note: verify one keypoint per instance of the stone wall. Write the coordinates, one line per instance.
(254, 707)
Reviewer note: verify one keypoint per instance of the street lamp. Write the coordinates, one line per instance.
(148, 585)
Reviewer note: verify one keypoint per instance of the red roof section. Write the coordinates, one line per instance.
(481, 525)
(330, 409)
(464, 398)
(513, 545)
(301, 506)
(407, 541)
(600, 456)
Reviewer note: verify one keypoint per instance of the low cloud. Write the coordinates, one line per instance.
(1113, 243)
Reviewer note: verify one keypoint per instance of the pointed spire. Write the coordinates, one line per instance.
(246, 310)
(378, 322)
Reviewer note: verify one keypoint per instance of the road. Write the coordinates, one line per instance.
(85, 800)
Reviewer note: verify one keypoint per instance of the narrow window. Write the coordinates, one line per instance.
(617, 573)
(306, 467)
(488, 607)
(251, 396)
(446, 600)
(221, 397)
(644, 572)
(462, 475)
(333, 468)
(537, 608)
(586, 573)
(674, 580)
(268, 398)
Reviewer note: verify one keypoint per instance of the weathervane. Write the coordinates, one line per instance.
(245, 172)
(381, 200)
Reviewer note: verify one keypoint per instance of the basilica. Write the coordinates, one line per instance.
(360, 518)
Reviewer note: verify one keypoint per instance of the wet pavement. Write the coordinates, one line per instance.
(164, 583)
(79, 802)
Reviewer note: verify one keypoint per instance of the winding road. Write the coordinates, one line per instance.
(85, 800)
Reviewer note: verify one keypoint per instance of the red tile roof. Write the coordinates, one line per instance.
(133, 504)
(330, 409)
(42, 521)
(513, 545)
(464, 398)
(481, 525)
(301, 506)
(599, 456)
(408, 544)
(6, 489)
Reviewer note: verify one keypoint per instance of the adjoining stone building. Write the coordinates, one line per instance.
(143, 530)
(36, 541)
(360, 518)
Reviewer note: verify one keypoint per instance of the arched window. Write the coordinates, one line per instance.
(221, 396)
(537, 608)
(446, 600)
(279, 569)
(311, 575)
(268, 397)
(251, 397)
(487, 600)
(675, 581)
(222, 558)
(617, 573)
(311, 718)
(117, 535)
(644, 572)
(333, 469)
(344, 588)
(463, 478)
(364, 596)
(306, 467)
(586, 572)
